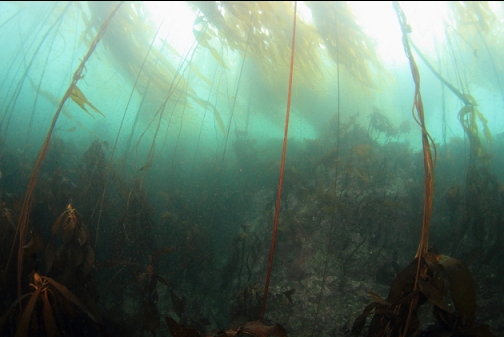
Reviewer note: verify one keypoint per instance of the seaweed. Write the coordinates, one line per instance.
(78, 97)
(397, 315)
(44, 301)
(380, 122)
(338, 225)
(25, 211)
(282, 170)
(420, 281)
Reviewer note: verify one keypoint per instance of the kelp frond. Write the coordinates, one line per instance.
(78, 97)
(269, 22)
(472, 14)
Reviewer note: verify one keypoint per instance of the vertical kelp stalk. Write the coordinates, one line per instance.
(183, 109)
(175, 82)
(25, 209)
(282, 168)
(202, 122)
(228, 129)
(423, 246)
(234, 98)
(119, 132)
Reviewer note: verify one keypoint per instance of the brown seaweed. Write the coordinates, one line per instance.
(27, 203)
(393, 316)
(42, 286)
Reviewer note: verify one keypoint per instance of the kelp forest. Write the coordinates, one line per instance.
(252, 168)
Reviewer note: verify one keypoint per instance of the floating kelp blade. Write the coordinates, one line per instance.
(206, 104)
(78, 97)
(462, 288)
(67, 294)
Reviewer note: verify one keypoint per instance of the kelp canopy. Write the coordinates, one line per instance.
(140, 145)
(233, 48)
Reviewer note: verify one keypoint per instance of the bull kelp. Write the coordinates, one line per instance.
(255, 168)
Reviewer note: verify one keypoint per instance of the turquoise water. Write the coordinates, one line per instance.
(172, 137)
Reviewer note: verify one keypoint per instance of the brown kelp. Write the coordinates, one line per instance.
(25, 211)
(397, 315)
(46, 301)
(282, 170)
(348, 216)
(404, 297)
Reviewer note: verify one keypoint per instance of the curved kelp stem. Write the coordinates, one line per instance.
(457, 93)
(423, 246)
(282, 167)
(426, 139)
(25, 210)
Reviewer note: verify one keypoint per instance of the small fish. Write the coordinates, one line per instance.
(289, 294)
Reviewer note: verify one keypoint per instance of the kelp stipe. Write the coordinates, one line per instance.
(26, 207)
(423, 246)
(396, 315)
(421, 281)
(282, 168)
(107, 174)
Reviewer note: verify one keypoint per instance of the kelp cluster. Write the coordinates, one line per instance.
(479, 214)
(61, 262)
(347, 44)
